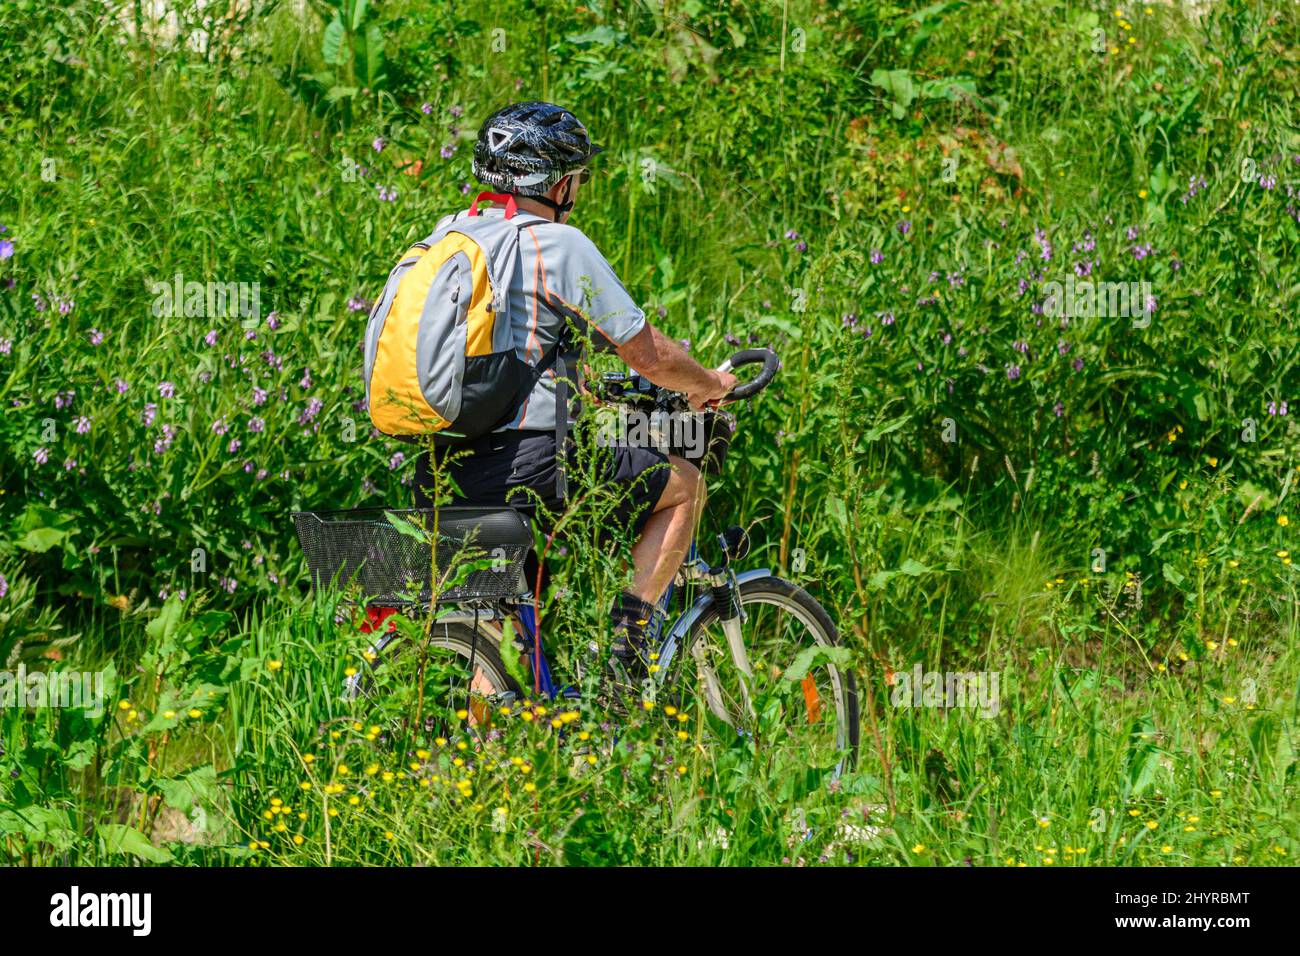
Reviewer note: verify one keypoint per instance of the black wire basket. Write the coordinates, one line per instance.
(385, 554)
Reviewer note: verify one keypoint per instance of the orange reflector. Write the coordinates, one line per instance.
(812, 699)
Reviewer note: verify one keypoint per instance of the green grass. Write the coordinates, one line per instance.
(1108, 532)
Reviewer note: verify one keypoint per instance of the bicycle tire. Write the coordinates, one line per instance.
(784, 594)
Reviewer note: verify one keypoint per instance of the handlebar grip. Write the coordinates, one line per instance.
(771, 363)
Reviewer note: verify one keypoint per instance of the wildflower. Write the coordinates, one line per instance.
(274, 666)
(96, 337)
(41, 455)
(1282, 521)
(379, 144)
(877, 257)
(194, 713)
(83, 425)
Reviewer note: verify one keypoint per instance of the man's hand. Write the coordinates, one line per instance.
(711, 397)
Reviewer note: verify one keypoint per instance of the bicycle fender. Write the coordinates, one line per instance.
(683, 625)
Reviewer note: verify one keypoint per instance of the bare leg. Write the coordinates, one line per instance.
(664, 542)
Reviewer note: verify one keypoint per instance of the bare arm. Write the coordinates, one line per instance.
(667, 364)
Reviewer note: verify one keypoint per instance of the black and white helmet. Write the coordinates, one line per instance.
(526, 148)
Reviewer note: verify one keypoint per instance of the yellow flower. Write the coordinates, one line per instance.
(1193, 819)
(1216, 793)
(648, 704)
(591, 759)
(169, 714)
(305, 785)
(462, 714)
(918, 848)
(274, 665)
(1166, 849)
(1282, 520)
(529, 787)
(670, 710)
(683, 735)
(124, 705)
(584, 735)
(1234, 563)
(308, 758)
(195, 713)
(1044, 822)
(1142, 194)
(1151, 824)
(1134, 813)
(1211, 645)
(1214, 462)
(681, 769)
(1229, 700)
(297, 839)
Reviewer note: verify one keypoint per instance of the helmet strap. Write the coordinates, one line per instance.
(563, 207)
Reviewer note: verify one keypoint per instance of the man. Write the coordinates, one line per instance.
(537, 153)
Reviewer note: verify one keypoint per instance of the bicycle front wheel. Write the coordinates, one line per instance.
(799, 700)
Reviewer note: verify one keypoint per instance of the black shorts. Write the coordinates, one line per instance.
(500, 464)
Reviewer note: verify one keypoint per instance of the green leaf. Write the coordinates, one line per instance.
(197, 786)
(163, 627)
(1171, 575)
(40, 540)
(119, 838)
(332, 44)
(807, 658)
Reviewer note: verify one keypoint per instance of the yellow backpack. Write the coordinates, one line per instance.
(440, 355)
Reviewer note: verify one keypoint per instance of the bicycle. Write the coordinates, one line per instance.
(769, 666)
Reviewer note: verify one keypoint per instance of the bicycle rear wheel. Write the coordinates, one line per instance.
(450, 671)
(799, 703)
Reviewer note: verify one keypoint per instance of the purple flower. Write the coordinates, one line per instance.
(448, 151)
(42, 455)
(4, 586)
(426, 108)
(1141, 252)
(886, 318)
(211, 337)
(464, 189)
(62, 400)
(396, 461)
(456, 111)
(904, 227)
(1058, 408)
(121, 386)
(305, 382)
(379, 144)
(96, 337)
(150, 412)
(877, 257)
(1131, 233)
(791, 234)
(386, 194)
(166, 389)
(308, 413)
(233, 446)
(256, 425)
(1013, 372)
(220, 427)
(6, 249)
(259, 395)
(801, 246)
(6, 346)
(83, 425)
(1078, 364)
(273, 320)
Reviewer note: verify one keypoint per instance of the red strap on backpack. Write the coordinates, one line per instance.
(506, 198)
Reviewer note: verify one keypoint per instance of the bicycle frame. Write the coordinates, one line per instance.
(668, 643)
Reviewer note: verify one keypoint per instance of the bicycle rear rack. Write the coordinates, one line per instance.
(386, 555)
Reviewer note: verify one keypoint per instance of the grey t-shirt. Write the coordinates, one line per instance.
(558, 260)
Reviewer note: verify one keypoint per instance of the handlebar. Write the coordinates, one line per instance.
(623, 387)
(759, 382)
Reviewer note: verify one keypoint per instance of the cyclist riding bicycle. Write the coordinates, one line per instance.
(534, 156)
